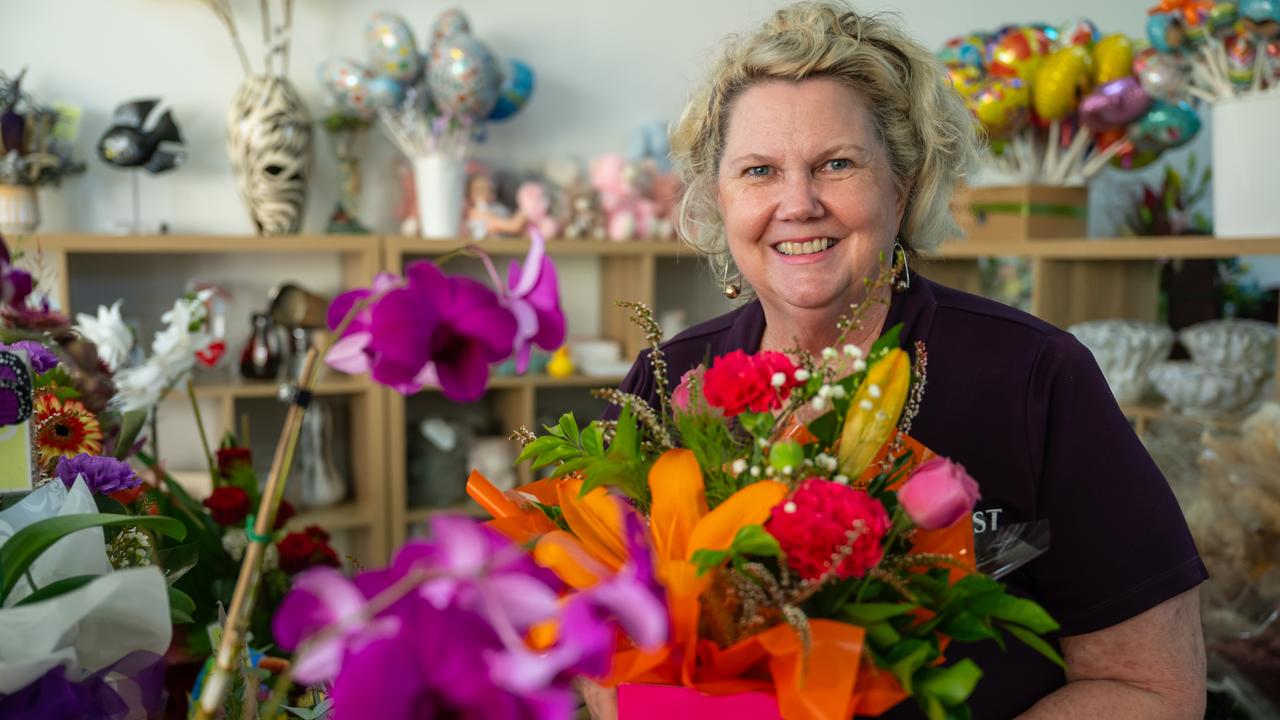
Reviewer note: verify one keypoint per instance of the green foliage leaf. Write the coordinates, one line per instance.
(626, 438)
(952, 684)
(1035, 642)
(708, 560)
(1012, 609)
(826, 428)
(883, 635)
(27, 544)
(56, 588)
(537, 447)
(569, 428)
(593, 440)
(755, 540)
(867, 613)
(887, 341)
(758, 424)
(131, 424)
(574, 465)
(965, 627)
(908, 656)
(181, 606)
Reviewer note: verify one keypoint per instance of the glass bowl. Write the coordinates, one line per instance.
(1195, 388)
(1231, 343)
(1125, 350)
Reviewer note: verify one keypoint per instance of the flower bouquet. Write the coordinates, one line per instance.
(809, 550)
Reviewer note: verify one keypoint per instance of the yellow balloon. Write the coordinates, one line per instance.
(1064, 78)
(1113, 58)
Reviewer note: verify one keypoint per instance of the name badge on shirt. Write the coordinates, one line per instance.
(17, 469)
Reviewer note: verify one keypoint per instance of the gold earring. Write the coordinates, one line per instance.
(901, 271)
(731, 290)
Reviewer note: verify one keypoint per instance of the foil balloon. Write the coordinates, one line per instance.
(1260, 11)
(1242, 54)
(966, 79)
(385, 92)
(1166, 33)
(1114, 104)
(1020, 53)
(1000, 106)
(1134, 159)
(1161, 76)
(1064, 78)
(1221, 17)
(1080, 32)
(517, 87)
(1164, 126)
(449, 23)
(967, 50)
(1112, 58)
(348, 82)
(463, 77)
(390, 47)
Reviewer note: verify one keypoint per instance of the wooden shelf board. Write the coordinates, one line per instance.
(339, 517)
(241, 388)
(546, 381)
(468, 508)
(180, 244)
(1127, 248)
(409, 246)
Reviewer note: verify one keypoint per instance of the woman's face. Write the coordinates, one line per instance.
(806, 193)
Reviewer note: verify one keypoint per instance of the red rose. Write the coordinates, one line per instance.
(296, 552)
(283, 514)
(229, 458)
(812, 527)
(327, 556)
(317, 532)
(738, 382)
(228, 505)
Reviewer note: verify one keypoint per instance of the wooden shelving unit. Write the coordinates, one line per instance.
(1073, 280)
(354, 259)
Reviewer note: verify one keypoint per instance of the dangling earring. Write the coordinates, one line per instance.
(901, 272)
(731, 290)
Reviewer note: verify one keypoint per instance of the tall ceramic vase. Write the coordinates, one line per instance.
(269, 138)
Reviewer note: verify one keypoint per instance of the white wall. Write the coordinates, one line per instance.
(603, 66)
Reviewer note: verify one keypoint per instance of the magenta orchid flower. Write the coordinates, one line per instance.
(534, 298)
(350, 353)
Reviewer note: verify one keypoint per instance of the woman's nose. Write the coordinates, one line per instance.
(799, 200)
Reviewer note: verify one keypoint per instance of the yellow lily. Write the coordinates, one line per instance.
(873, 412)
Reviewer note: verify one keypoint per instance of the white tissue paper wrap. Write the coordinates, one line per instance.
(91, 627)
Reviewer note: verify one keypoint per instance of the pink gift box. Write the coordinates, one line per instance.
(673, 702)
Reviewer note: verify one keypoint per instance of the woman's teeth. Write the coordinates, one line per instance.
(807, 247)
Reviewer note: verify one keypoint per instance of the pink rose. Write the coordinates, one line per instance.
(681, 397)
(938, 494)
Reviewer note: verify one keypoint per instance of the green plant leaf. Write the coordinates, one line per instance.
(626, 438)
(180, 602)
(27, 544)
(56, 588)
(952, 684)
(867, 613)
(883, 635)
(537, 447)
(1019, 611)
(908, 656)
(887, 341)
(131, 424)
(708, 560)
(826, 428)
(1035, 642)
(593, 440)
(573, 465)
(965, 627)
(569, 426)
(755, 540)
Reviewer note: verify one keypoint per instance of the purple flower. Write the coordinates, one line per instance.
(102, 474)
(453, 327)
(350, 354)
(42, 359)
(535, 301)
(15, 284)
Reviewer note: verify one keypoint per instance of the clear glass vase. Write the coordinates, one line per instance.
(315, 481)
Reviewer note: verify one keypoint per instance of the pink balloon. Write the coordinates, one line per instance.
(1114, 104)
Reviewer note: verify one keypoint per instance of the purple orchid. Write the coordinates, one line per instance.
(42, 359)
(534, 299)
(102, 474)
(452, 327)
(454, 643)
(15, 284)
(350, 354)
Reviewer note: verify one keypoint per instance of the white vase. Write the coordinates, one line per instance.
(1246, 165)
(19, 210)
(269, 138)
(440, 180)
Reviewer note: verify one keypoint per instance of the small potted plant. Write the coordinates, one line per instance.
(35, 150)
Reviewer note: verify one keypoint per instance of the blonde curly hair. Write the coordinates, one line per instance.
(929, 135)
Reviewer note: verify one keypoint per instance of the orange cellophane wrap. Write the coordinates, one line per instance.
(833, 684)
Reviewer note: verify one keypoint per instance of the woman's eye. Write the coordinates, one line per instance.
(839, 165)
(758, 171)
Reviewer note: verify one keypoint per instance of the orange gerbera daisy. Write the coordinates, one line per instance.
(65, 428)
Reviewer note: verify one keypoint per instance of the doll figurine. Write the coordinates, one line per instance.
(485, 215)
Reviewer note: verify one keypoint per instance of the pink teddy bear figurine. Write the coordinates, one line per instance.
(628, 214)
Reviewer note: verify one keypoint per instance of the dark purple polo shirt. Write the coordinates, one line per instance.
(1023, 406)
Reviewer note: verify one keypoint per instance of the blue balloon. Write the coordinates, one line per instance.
(517, 87)
(1158, 28)
(385, 92)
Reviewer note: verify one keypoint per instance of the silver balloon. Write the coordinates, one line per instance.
(1162, 77)
(348, 83)
(464, 78)
(391, 49)
(450, 22)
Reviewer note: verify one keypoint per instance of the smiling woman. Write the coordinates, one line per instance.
(822, 149)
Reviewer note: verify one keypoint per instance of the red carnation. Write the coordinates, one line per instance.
(738, 382)
(811, 527)
(283, 514)
(229, 505)
(296, 552)
(229, 458)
